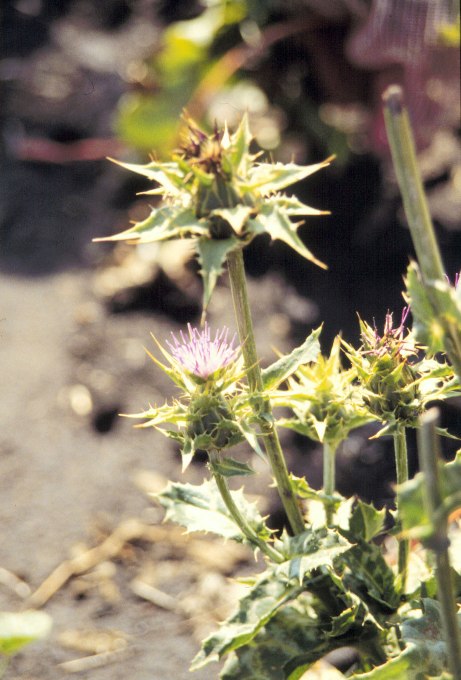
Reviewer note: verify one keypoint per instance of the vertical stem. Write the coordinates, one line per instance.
(237, 278)
(428, 450)
(401, 466)
(269, 433)
(235, 513)
(329, 477)
(417, 211)
(414, 200)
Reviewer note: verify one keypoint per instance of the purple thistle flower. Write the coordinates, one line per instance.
(199, 354)
(392, 341)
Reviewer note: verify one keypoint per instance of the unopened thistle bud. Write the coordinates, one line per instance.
(391, 390)
(321, 394)
(211, 423)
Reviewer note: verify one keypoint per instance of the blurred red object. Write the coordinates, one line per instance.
(45, 150)
(403, 41)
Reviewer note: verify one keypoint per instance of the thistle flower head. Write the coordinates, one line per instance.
(392, 342)
(202, 150)
(220, 195)
(213, 411)
(389, 381)
(202, 356)
(323, 399)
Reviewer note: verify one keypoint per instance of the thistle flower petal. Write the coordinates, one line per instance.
(201, 356)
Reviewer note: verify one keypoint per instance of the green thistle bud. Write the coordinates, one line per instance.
(391, 384)
(323, 399)
(396, 384)
(392, 391)
(210, 423)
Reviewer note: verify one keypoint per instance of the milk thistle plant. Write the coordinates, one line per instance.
(327, 582)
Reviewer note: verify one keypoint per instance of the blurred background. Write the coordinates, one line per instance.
(83, 80)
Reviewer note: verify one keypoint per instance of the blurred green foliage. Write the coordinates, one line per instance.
(224, 57)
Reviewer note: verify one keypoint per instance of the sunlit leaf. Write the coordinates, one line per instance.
(412, 506)
(371, 575)
(254, 611)
(424, 654)
(212, 254)
(237, 216)
(279, 371)
(310, 550)
(167, 175)
(366, 521)
(163, 224)
(271, 177)
(290, 637)
(20, 628)
(241, 140)
(430, 326)
(229, 467)
(276, 223)
(293, 206)
(201, 508)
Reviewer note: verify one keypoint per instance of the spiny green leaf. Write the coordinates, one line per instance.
(428, 326)
(163, 224)
(310, 550)
(397, 668)
(366, 521)
(236, 217)
(302, 489)
(229, 467)
(293, 206)
(198, 508)
(240, 144)
(255, 610)
(212, 254)
(271, 177)
(279, 371)
(354, 619)
(370, 574)
(415, 519)
(201, 508)
(167, 175)
(276, 223)
(425, 653)
(290, 637)
(155, 416)
(21, 628)
(251, 437)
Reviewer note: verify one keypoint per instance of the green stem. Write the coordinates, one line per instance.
(401, 466)
(428, 450)
(268, 431)
(414, 200)
(403, 151)
(329, 476)
(246, 529)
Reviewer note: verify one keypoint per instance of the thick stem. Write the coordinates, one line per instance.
(269, 433)
(237, 279)
(401, 466)
(428, 450)
(329, 477)
(417, 211)
(414, 200)
(237, 516)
